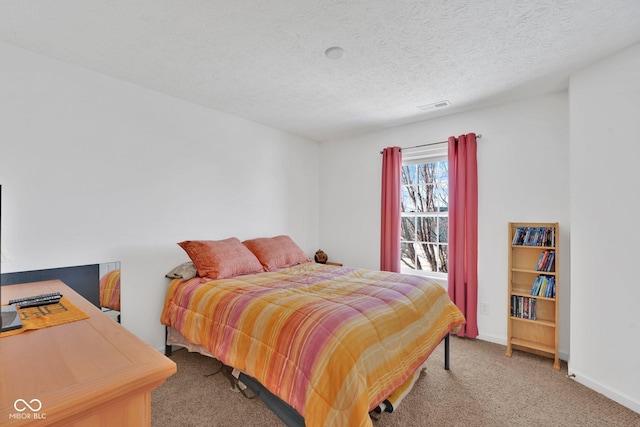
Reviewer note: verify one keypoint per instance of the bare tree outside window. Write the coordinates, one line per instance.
(425, 221)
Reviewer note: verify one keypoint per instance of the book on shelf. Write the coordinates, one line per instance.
(534, 236)
(532, 308)
(545, 262)
(550, 292)
(523, 307)
(544, 286)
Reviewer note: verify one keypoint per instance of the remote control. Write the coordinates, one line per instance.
(37, 300)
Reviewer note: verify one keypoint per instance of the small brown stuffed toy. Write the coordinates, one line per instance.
(321, 257)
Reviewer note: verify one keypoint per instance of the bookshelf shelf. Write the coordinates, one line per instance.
(537, 322)
(532, 311)
(537, 248)
(525, 293)
(530, 270)
(532, 345)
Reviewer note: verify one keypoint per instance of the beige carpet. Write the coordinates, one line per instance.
(483, 388)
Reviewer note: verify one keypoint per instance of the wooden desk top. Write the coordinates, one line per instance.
(76, 368)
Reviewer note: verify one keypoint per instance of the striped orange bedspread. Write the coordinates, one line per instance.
(333, 342)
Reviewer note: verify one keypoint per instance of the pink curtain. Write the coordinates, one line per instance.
(463, 229)
(390, 228)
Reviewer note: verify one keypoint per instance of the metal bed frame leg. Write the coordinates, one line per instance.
(446, 352)
(167, 348)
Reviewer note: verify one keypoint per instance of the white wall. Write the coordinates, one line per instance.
(523, 176)
(605, 150)
(97, 170)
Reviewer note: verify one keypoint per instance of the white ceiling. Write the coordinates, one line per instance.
(264, 59)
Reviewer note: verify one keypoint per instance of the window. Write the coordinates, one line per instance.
(425, 216)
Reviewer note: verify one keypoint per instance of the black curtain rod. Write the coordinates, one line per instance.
(479, 136)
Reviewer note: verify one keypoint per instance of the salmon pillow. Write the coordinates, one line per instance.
(276, 252)
(220, 259)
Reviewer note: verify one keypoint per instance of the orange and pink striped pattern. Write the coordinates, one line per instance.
(110, 290)
(333, 342)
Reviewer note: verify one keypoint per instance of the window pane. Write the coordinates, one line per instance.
(423, 257)
(427, 198)
(408, 231)
(425, 173)
(409, 174)
(441, 197)
(443, 254)
(443, 229)
(420, 200)
(408, 204)
(432, 224)
(426, 229)
(407, 255)
(432, 257)
(426, 256)
(441, 171)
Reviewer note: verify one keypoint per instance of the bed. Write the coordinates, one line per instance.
(331, 342)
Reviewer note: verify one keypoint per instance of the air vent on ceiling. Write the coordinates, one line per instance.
(434, 106)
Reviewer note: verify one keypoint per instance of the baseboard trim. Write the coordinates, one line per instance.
(616, 396)
(562, 355)
(492, 338)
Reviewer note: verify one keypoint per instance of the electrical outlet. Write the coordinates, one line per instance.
(484, 307)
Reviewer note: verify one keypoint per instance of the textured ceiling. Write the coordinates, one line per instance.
(264, 59)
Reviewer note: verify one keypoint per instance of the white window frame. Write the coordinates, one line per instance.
(428, 154)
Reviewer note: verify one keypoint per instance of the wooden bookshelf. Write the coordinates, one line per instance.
(533, 303)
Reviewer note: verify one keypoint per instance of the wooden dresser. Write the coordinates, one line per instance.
(85, 373)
